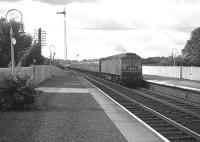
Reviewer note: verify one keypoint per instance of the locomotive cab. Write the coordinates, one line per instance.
(131, 70)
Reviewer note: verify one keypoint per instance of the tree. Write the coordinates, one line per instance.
(191, 51)
(34, 53)
(158, 61)
(22, 44)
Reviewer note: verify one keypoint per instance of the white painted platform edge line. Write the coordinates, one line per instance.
(154, 131)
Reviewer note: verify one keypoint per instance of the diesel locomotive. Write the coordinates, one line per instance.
(123, 68)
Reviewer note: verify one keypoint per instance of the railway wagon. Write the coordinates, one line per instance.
(88, 66)
(92, 67)
(123, 68)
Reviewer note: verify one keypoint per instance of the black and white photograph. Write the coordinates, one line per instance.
(99, 71)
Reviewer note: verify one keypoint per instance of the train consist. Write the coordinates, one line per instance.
(121, 69)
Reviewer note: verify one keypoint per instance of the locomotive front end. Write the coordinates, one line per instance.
(131, 70)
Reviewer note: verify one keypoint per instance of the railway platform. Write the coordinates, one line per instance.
(78, 111)
(181, 88)
(174, 82)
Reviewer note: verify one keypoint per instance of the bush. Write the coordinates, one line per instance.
(17, 93)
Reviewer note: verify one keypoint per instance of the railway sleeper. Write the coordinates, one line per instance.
(126, 102)
(166, 128)
(129, 107)
(147, 116)
(184, 119)
(182, 104)
(172, 132)
(152, 120)
(178, 137)
(134, 110)
(191, 124)
(195, 120)
(142, 114)
(178, 112)
(160, 125)
(194, 109)
(120, 99)
(156, 122)
(190, 118)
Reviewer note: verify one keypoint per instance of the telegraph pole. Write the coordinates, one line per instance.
(65, 40)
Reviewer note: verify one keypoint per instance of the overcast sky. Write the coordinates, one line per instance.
(99, 28)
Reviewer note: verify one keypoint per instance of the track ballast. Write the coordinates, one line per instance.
(173, 123)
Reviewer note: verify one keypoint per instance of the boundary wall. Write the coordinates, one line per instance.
(38, 73)
(190, 73)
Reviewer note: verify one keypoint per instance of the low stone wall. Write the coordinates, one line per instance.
(38, 73)
(3, 73)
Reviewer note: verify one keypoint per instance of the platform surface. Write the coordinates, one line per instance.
(78, 112)
(174, 82)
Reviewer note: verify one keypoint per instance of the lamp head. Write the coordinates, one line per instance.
(34, 61)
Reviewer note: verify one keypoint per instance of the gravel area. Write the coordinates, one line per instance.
(77, 118)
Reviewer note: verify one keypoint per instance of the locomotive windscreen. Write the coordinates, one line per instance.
(130, 61)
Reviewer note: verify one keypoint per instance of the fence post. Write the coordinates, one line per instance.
(181, 71)
(33, 74)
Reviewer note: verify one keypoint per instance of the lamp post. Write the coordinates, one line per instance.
(12, 39)
(174, 50)
(34, 74)
(181, 68)
(50, 59)
(77, 56)
(65, 40)
(54, 57)
(51, 47)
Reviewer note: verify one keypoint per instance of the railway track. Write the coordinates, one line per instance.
(171, 120)
(190, 107)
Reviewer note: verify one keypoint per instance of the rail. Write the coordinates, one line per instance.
(155, 110)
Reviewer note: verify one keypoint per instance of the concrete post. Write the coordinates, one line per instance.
(33, 75)
(181, 72)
